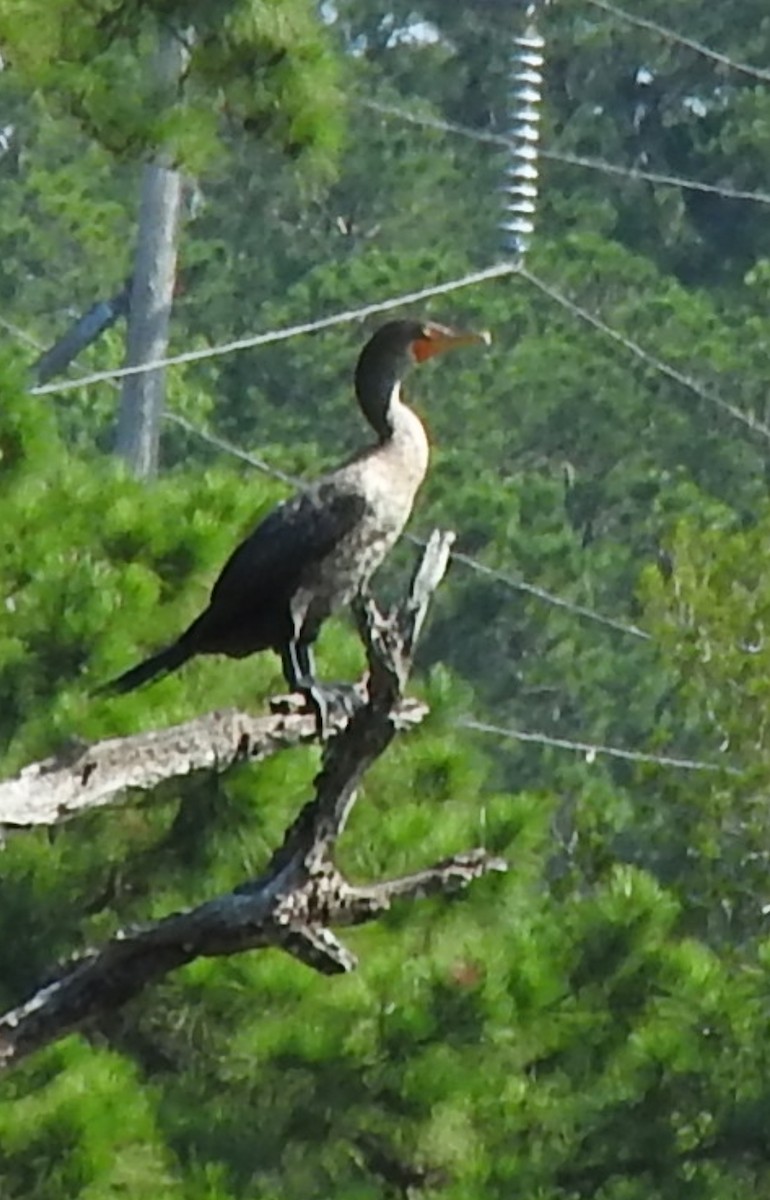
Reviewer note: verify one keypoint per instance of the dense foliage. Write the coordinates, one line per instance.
(593, 1024)
(265, 66)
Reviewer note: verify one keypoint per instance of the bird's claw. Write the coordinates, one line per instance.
(330, 700)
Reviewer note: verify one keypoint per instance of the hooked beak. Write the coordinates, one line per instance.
(438, 338)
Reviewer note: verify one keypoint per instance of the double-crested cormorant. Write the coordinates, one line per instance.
(314, 552)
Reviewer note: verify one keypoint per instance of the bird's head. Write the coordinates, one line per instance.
(406, 341)
(398, 345)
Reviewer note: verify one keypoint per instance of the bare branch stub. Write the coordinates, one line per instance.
(301, 893)
(361, 904)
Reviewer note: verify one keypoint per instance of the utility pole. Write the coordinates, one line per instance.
(152, 290)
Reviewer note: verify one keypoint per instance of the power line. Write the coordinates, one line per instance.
(531, 589)
(671, 35)
(21, 334)
(575, 160)
(226, 447)
(498, 271)
(650, 360)
(592, 750)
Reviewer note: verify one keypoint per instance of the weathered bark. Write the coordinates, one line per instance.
(301, 892)
(142, 395)
(85, 777)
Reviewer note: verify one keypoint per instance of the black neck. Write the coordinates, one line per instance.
(378, 380)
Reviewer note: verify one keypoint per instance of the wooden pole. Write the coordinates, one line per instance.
(142, 396)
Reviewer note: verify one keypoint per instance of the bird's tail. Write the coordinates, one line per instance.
(162, 663)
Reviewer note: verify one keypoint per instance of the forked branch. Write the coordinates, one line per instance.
(301, 893)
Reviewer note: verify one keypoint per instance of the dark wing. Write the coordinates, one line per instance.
(267, 567)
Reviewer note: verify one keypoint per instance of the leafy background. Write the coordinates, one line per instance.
(594, 1024)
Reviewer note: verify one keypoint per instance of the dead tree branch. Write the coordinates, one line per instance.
(86, 777)
(301, 893)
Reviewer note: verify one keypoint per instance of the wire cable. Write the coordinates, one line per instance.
(21, 334)
(748, 420)
(593, 750)
(531, 589)
(219, 443)
(650, 360)
(498, 271)
(575, 160)
(679, 39)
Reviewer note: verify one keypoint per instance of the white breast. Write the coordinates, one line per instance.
(387, 477)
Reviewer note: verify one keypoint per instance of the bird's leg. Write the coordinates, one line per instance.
(332, 695)
(306, 660)
(316, 693)
(299, 673)
(292, 670)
